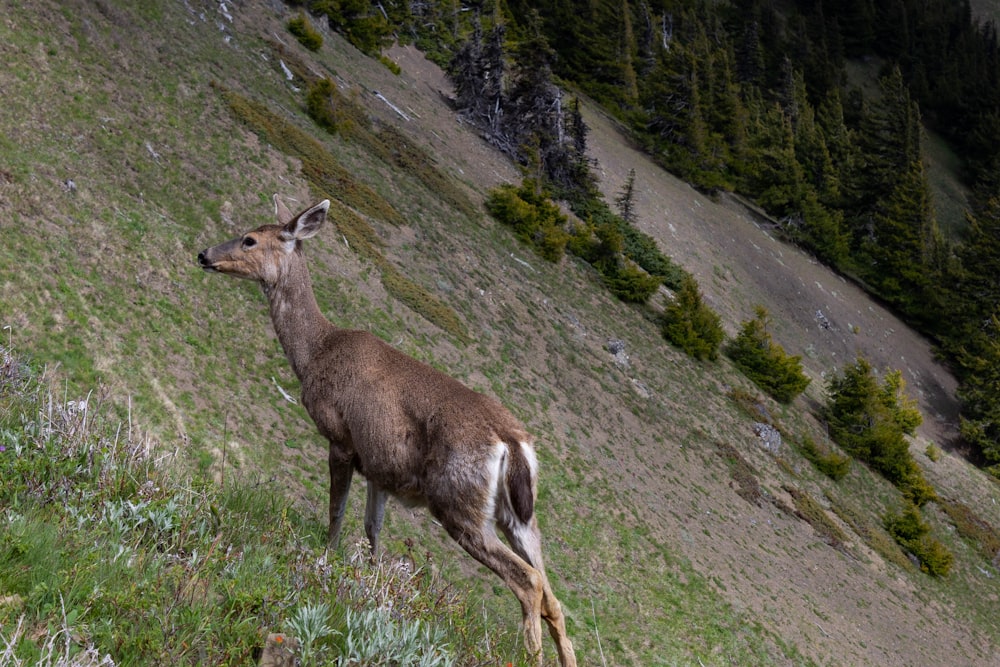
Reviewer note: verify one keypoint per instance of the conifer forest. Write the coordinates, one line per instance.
(818, 112)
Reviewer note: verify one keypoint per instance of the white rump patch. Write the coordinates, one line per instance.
(494, 476)
(529, 454)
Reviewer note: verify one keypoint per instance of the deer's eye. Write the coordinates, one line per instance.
(249, 242)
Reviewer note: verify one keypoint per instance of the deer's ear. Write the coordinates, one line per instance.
(307, 223)
(281, 211)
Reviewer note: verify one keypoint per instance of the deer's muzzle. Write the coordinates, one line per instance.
(204, 262)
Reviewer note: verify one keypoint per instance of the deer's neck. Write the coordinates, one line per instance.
(296, 316)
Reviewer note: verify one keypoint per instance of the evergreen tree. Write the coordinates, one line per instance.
(857, 23)
(765, 362)
(980, 416)
(811, 149)
(773, 174)
(690, 324)
(580, 182)
(477, 72)
(892, 30)
(625, 201)
(749, 55)
(869, 418)
(903, 229)
(839, 142)
(536, 120)
(677, 103)
(977, 289)
(889, 145)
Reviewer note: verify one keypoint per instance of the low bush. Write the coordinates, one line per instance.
(303, 31)
(830, 463)
(320, 167)
(634, 244)
(390, 64)
(973, 527)
(534, 218)
(913, 534)
(873, 534)
(630, 283)
(810, 511)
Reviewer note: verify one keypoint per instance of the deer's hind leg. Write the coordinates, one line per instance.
(525, 581)
(526, 540)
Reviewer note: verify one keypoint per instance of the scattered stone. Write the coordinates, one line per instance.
(822, 319)
(641, 388)
(617, 348)
(770, 437)
(279, 651)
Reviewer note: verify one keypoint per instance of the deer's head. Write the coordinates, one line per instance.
(262, 254)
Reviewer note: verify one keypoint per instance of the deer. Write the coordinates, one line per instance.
(410, 430)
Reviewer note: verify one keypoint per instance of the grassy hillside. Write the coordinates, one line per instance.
(672, 536)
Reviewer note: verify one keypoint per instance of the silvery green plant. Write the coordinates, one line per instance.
(374, 637)
(310, 625)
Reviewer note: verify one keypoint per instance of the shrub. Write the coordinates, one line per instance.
(94, 530)
(874, 535)
(390, 64)
(533, 217)
(303, 31)
(913, 534)
(330, 109)
(601, 241)
(916, 488)
(691, 325)
(833, 465)
(902, 408)
(765, 362)
(634, 244)
(630, 283)
(320, 167)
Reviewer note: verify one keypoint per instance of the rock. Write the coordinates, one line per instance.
(617, 348)
(279, 651)
(770, 437)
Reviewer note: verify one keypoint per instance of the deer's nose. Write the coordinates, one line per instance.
(202, 260)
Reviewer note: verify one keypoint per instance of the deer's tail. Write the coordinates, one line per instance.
(521, 471)
(516, 504)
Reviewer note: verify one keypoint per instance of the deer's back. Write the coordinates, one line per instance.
(395, 416)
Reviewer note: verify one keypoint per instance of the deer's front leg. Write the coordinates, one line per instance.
(341, 471)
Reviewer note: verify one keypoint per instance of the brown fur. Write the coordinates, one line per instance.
(409, 429)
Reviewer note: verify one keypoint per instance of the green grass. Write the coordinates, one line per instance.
(97, 537)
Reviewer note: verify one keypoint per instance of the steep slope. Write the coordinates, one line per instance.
(669, 531)
(778, 571)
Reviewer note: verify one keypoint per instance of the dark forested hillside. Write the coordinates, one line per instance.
(757, 97)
